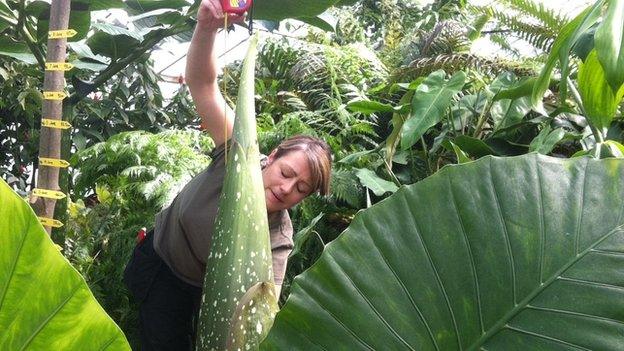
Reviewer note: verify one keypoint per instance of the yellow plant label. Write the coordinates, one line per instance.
(60, 34)
(58, 66)
(49, 222)
(50, 194)
(55, 123)
(53, 162)
(54, 95)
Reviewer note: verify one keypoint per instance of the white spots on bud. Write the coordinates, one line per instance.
(258, 327)
(235, 157)
(214, 304)
(238, 167)
(238, 195)
(253, 310)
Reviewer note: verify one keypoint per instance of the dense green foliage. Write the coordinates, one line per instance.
(120, 185)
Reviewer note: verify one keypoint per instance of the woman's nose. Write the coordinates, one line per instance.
(287, 187)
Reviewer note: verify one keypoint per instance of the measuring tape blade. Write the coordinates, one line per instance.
(60, 34)
(53, 162)
(55, 123)
(50, 194)
(49, 222)
(58, 66)
(54, 95)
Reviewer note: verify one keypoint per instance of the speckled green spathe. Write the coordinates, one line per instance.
(44, 302)
(240, 254)
(519, 253)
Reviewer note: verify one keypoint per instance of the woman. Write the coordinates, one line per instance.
(166, 271)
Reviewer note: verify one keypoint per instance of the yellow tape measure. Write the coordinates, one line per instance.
(60, 34)
(54, 95)
(50, 194)
(55, 123)
(53, 162)
(58, 66)
(49, 222)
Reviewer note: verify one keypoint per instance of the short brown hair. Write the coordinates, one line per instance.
(319, 157)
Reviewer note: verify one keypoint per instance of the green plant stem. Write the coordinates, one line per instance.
(481, 121)
(424, 146)
(577, 98)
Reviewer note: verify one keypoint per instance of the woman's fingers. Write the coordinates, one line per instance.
(210, 11)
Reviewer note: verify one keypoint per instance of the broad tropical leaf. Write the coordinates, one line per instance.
(568, 36)
(599, 101)
(433, 96)
(372, 181)
(609, 42)
(520, 253)
(276, 10)
(238, 286)
(44, 302)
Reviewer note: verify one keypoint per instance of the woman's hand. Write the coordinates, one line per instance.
(211, 16)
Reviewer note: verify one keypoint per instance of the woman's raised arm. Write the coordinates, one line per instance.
(201, 72)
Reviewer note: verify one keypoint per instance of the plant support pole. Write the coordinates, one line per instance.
(44, 200)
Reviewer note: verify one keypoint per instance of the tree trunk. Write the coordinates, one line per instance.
(50, 140)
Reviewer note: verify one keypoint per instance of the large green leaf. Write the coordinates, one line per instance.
(433, 96)
(17, 50)
(44, 302)
(599, 101)
(520, 253)
(609, 41)
(239, 300)
(276, 10)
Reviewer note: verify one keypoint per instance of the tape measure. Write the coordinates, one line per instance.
(236, 6)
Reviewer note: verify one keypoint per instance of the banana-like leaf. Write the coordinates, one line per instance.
(609, 42)
(433, 96)
(519, 253)
(238, 286)
(44, 302)
(568, 36)
(599, 101)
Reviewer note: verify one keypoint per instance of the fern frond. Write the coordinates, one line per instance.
(455, 62)
(554, 21)
(446, 38)
(537, 34)
(346, 187)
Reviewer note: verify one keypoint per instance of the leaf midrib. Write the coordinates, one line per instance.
(520, 306)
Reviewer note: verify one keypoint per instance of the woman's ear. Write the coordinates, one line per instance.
(271, 157)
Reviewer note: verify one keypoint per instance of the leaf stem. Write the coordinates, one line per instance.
(579, 101)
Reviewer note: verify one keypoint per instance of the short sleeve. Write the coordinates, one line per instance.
(281, 244)
(280, 260)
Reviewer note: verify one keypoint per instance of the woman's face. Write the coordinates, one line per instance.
(287, 180)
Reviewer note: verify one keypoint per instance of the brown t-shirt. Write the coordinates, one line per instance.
(183, 231)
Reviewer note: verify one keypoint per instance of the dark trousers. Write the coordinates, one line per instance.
(168, 306)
